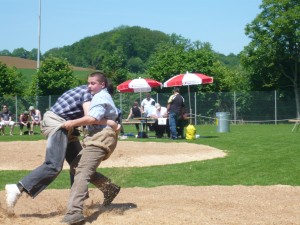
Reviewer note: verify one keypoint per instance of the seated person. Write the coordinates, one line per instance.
(160, 112)
(24, 120)
(119, 120)
(36, 118)
(181, 123)
(135, 112)
(148, 113)
(6, 120)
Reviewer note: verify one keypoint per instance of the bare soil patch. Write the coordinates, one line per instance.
(26, 63)
(213, 205)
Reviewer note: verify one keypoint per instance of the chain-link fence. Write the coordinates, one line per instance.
(244, 107)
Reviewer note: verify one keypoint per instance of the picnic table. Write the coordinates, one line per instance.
(141, 121)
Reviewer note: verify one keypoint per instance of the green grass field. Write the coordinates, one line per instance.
(257, 155)
(28, 73)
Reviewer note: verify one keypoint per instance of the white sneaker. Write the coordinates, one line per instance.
(12, 194)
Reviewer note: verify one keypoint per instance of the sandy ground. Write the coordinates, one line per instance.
(213, 205)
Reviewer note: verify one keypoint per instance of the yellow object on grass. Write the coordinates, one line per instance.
(190, 132)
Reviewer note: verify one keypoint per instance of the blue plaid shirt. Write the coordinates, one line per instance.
(69, 104)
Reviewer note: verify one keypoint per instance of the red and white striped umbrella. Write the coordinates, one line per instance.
(138, 85)
(188, 79)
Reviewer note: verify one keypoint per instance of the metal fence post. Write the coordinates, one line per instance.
(234, 107)
(195, 97)
(121, 102)
(16, 99)
(275, 99)
(49, 103)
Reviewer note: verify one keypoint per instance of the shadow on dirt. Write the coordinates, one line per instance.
(118, 209)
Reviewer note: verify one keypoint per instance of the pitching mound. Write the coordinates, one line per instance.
(30, 154)
(212, 205)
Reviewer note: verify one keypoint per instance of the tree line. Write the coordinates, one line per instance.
(269, 62)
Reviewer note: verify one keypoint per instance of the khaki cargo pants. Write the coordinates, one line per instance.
(96, 148)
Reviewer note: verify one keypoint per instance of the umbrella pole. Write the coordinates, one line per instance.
(190, 104)
(140, 98)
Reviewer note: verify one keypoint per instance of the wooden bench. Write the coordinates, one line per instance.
(297, 122)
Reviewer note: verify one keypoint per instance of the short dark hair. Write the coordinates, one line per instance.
(101, 77)
(176, 89)
(110, 87)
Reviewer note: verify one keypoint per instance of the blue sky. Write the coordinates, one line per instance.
(64, 22)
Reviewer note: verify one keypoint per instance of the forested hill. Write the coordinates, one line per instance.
(133, 45)
(124, 47)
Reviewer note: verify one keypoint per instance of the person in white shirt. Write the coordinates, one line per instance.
(36, 118)
(160, 112)
(151, 110)
(146, 103)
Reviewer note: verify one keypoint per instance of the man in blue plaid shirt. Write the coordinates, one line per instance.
(61, 144)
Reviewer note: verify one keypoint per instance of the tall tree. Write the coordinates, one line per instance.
(5, 52)
(54, 77)
(181, 56)
(21, 53)
(114, 65)
(10, 81)
(273, 55)
(33, 54)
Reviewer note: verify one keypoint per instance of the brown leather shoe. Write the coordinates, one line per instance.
(73, 218)
(110, 193)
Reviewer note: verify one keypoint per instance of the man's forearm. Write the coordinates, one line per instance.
(86, 120)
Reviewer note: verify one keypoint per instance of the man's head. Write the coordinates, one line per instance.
(148, 96)
(176, 90)
(157, 106)
(4, 108)
(96, 82)
(31, 108)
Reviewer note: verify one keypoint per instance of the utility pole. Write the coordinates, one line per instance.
(38, 50)
(39, 35)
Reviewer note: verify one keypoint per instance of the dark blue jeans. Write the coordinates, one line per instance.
(58, 149)
(173, 125)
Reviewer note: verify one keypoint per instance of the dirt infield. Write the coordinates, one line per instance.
(213, 205)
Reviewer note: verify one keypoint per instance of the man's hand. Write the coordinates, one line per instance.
(68, 125)
(118, 129)
(112, 124)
